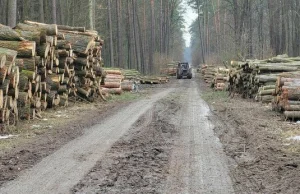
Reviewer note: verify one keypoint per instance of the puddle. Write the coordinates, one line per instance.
(7, 136)
(295, 138)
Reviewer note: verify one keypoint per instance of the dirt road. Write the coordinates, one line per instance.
(163, 144)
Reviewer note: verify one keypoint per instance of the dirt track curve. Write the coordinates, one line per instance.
(162, 144)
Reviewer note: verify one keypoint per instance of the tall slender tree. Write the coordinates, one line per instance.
(12, 13)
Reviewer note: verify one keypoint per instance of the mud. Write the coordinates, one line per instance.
(254, 139)
(35, 145)
(138, 162)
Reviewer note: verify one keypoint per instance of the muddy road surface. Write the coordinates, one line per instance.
(162, 144)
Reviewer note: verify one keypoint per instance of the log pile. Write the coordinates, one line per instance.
(216, 77)
(169, 70)
(249, 78)
(208, 72)
(9, 87)
(131, 74)
(154, 79)
(220, 80)
(42, 65)
(287, 95)
(112, 81)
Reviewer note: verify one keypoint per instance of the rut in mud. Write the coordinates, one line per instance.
(138, 162)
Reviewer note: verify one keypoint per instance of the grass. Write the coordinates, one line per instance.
(213, 96)
(124, 97)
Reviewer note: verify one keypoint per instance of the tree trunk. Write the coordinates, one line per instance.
(120, 38)
(152, 45)
(54, 12)
(91, 20)
(12, 13)
(41, 10)
(110, 34)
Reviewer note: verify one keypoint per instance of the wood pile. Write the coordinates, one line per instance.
(42, 65)
(131, 74)
(112, 81)
(169, 70)
(208, 72)
(216, 77)
(287, 95)
(154, 79)
(220, 80)
(249, 78)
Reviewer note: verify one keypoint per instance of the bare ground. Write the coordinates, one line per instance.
(137, 163)
(171, 149)
(255, 140)
(40, 138)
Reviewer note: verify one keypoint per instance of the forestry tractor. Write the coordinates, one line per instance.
(184, 70)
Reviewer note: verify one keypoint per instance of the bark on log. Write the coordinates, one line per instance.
(80, 43)
(29, 64)
(24, 48)
(292, 114)
(29, 74)
(70, 28)
(7, 33)
(50, 29)
(43, 50)
(112, 85)
(36, 36)
(10, 54)
(117, 91)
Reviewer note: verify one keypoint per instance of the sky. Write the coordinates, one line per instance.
(189, 17)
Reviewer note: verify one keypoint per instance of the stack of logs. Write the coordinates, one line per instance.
(287, 96)
(113, 80)
(169, 70)
(215, 76)
(257, 78)
(45, 65)
(154, 79)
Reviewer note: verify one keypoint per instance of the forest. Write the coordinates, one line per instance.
(138, 34)
(142, 34)
(243, 29)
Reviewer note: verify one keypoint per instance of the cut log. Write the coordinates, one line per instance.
(292, 114)
(50, 29)
(2, 59)
(7, 33)
(4, 86)
(43, 50)
(82, 62)
(29, 64)
(85, 92)
(36, 36)
(23, 99)
(80, 43)
(24, 48)
(10, 54)
(60, 36)
(1, 99)
(117, 91)
(3, 73)
(112, 85)
(63, 44)
(70, 28)
(29, 74)
(116, 72)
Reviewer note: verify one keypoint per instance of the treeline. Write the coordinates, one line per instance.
(240, 29)
(139, 34)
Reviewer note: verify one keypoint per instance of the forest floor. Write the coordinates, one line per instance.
(167, 141)
(262, 147)
(33, 140)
